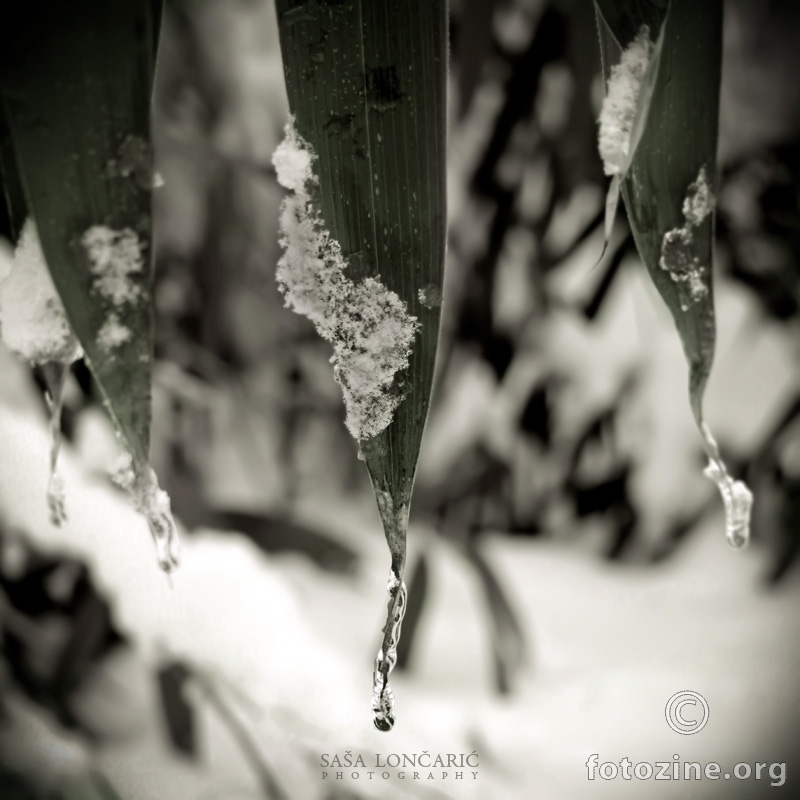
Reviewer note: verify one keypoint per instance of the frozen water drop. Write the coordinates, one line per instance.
(738, 501)
(383, 715)
(153, 504)
(736, 497)
(382, 702)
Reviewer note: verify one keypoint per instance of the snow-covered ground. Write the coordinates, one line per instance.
(291, 649)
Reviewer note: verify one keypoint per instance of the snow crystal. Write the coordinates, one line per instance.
(113, 334)
(699, 201)
(368, 325)
(122, 473)
(292, 160)
(430, 296)
(115, 256)
(33, 322)
(619, 106)
(677, 246)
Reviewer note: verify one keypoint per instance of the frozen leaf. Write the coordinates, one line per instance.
(77, 113)
(73, 104)
(366, 84)
(669, 196)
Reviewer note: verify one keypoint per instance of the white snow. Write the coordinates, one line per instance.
(430, 296)
(699, 201)
(113, 333)
(115, 256)
(619, 106)
(678, 257)
(33, 322)
(368, 325)
(610, 645)
(292, 160)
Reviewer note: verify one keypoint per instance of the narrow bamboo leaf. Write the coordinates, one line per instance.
(612, 204)
(366, 84)
(669, 196)
(76, 85)
(76, 81)
(11, 184)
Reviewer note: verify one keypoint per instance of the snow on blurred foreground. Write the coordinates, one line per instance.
(289, 647)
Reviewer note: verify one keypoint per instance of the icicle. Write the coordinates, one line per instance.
(382, 695)
(153, 504)
(55, 375)
(737, 498)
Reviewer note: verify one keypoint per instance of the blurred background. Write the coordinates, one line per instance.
(568, 568)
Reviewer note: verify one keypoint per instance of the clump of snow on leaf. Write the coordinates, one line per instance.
(699, 201)
(115, 256)
(113, 334)
(368, 325)
(32, 318)
(430, 296)
(678, 256)
(292, 160)
(619, 105)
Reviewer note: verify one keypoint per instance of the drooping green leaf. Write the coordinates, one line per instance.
(366, 82)
(76, 81)
(669, 194)
(13, 198)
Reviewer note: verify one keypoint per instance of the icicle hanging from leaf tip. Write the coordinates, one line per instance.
(382, 696)
(34, 325)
